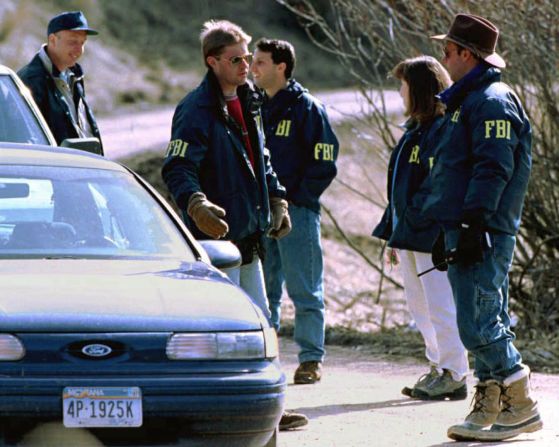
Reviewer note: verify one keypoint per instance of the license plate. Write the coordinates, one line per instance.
(102, 407)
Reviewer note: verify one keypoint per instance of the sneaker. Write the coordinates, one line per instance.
(422, 381)
(484, 414)
(290, 420)
(308, 372)
(441, 388)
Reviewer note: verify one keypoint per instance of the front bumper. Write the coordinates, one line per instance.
(226, 404)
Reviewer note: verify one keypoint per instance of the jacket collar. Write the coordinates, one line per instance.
(286, 96)
(278, 106)
(482, 74)
(213, 96)
(76, 69)
(412, 125)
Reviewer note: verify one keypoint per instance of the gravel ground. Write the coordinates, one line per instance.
(358, 404)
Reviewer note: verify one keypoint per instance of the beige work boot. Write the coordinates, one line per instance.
(519, 410)
(483, 415)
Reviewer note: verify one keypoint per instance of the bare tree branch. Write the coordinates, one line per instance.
(370, 36)
(357, 250)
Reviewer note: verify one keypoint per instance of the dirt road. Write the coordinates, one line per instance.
(135, 131)
(358, 404)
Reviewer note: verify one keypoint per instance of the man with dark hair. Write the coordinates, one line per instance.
(303, 149)
(478, 186)
(216, 166)
(56, 79)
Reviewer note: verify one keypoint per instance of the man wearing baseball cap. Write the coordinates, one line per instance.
(56, 79)
(479, 181)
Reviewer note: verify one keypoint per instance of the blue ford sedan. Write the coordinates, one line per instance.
(111, 314)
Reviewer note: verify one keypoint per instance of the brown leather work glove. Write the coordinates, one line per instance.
(207, 216)
(281, 223)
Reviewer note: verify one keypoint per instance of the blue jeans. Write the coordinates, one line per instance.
(296, 260)
(481, 295)
(249, 277)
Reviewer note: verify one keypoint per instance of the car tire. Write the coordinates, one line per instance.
(273, 442)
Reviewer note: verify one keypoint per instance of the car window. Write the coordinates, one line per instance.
(75, 212)
(18, 123)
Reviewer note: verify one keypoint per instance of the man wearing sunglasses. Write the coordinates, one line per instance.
(478, 186)
(216, 166)
(304, 149)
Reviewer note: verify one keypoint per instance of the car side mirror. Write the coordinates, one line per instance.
(91, 144)
(222, 254)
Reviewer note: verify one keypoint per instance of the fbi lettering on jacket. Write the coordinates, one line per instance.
(497, 129)
(324, 151)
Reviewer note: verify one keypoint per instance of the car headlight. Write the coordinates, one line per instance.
(271, 343)
(10, 348)
(217, 346)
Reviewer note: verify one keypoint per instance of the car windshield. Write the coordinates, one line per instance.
(77, 212)
(18, 123)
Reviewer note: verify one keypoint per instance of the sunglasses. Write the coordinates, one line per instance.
(236, 60)
(448, 51)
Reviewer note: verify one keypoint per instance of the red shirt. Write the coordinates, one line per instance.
(235, 110)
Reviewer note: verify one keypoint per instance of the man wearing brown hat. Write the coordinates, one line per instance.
(56, 79)
(478, 186)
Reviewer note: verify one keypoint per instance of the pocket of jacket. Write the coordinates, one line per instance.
(416, 220)
(414, 232)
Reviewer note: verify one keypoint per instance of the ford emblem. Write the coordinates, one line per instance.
(96, 350)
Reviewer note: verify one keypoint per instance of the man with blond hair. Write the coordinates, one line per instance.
(216, 166)
(56, 79)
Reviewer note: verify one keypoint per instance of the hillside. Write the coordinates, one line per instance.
(147, 51)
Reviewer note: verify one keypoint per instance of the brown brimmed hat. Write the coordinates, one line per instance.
(476, 34)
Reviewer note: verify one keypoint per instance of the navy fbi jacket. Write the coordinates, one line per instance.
(206, 154)
(403, 223)
(302, 144)
(483, 155)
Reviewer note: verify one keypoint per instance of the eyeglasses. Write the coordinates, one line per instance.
(448, 51)
(236, 60)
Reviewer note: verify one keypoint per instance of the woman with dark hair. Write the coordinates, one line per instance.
(410, 234)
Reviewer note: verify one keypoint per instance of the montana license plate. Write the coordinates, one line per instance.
(102, 407)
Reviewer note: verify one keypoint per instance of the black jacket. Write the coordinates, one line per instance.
(51, 102)
(302, 144)
(408, 186)
(207, 154)
(483, 154)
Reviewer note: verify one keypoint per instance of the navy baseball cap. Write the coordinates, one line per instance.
(70, 21)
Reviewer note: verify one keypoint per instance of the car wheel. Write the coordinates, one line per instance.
(273, 442)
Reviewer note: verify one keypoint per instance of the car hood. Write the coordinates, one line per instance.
(69, 295)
